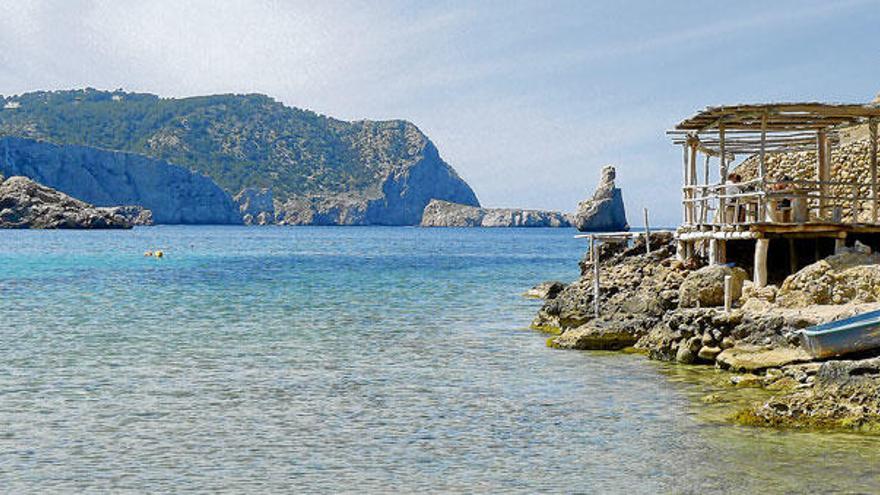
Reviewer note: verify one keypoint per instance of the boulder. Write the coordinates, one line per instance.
(545, 290)
(709, 353)
(705, 287)
(594, 337)
(605, 210)
(24, 204)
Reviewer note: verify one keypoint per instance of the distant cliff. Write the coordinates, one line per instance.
(316, 169)
(445, 214)
(106, 178)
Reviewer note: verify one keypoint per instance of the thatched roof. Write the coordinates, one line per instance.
(786, 126)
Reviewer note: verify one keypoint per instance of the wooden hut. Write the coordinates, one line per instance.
(789, 221)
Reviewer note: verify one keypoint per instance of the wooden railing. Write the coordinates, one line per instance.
(793, 201)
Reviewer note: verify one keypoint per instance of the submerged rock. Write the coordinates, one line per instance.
(440, 213)
(750, 358)
(844, 394)
(24, 204)
(605, 210)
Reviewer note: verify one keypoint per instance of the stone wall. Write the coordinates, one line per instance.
(849, 162)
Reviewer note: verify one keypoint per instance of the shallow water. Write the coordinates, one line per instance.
(349, 360)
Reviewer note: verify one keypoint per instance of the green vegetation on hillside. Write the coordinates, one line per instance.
(238, 140)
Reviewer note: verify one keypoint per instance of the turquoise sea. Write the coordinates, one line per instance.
(328, 360)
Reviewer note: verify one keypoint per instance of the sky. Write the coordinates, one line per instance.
(527, 100)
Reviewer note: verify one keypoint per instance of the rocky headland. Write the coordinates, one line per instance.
(445, 214)
(285, 165)
(25, 204)
(673, 311)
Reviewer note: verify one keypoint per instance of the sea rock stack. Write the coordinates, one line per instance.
(605, 210)
(25, 204)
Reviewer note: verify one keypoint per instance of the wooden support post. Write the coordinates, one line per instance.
(594, 254)
(692, 174)
(728, 293)
(792, 257)
(722, 204)
(762, 168)
(823, 170)
(722, 252)
(839, 245)
(704, 214)
(760, 274)
(684, 181)
(647, 234)
(872, 127)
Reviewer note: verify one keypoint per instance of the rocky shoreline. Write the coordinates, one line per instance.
(673, 311)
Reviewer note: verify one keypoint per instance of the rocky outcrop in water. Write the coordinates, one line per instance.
(24, 204)
(173, 194)
(605, 210)
(445, 214)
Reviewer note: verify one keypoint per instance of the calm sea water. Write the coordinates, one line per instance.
(348, 360)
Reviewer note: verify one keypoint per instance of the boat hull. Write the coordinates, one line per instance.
(858, 333)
